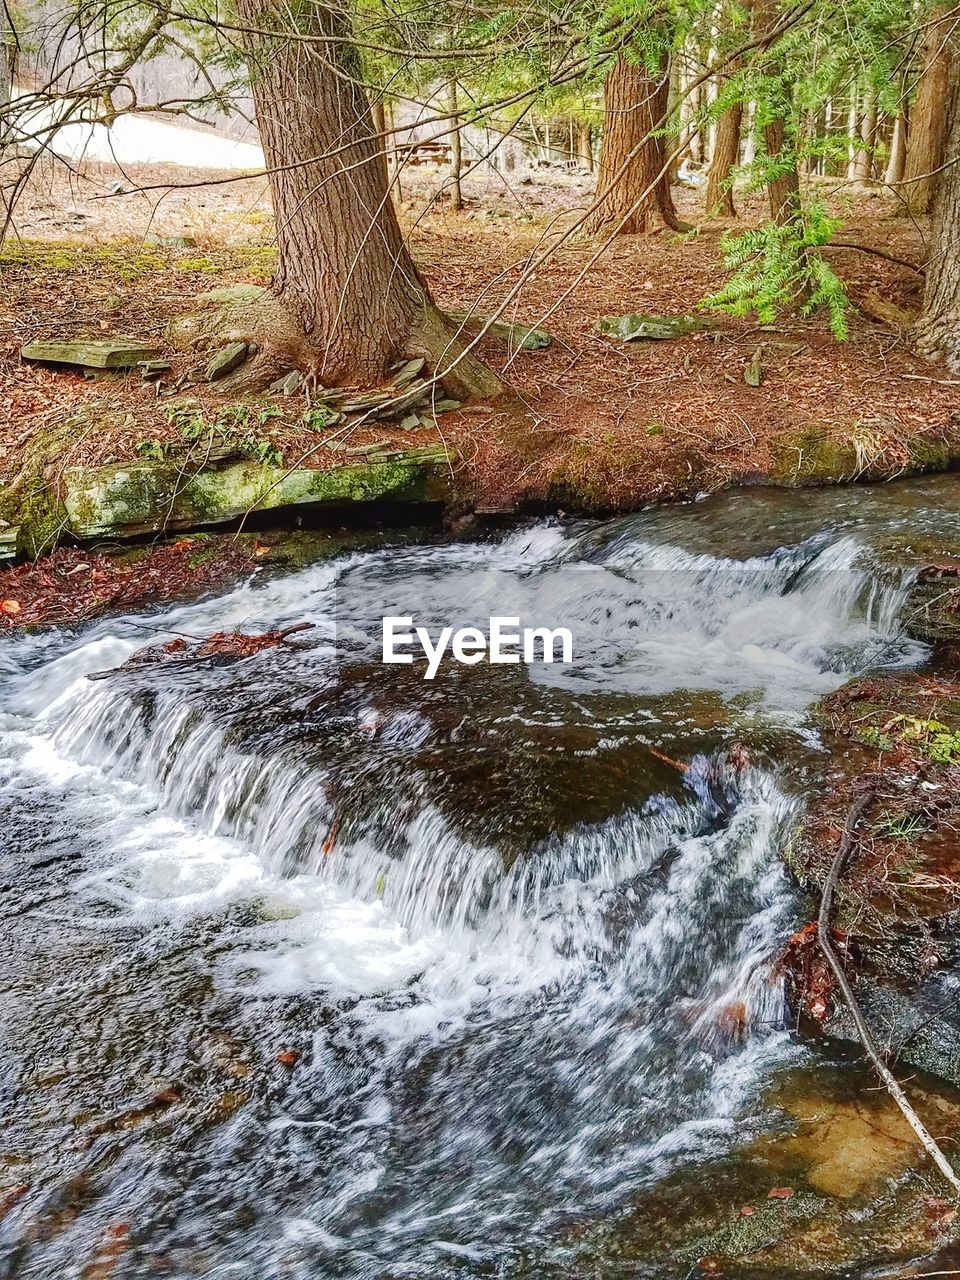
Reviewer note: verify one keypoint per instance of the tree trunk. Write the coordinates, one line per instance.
(863, 162)
(633, 188)
(726, 151)
(348, 300)
(937, 332)
(379, 117)
(783, 189)
(6, 65)
(456, 149)
(852, 121)
(928, 116)
(585, 146)
(897, 160)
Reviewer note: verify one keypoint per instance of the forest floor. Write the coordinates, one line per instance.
(597, 424)
(615, 423)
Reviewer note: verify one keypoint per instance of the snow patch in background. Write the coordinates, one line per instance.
(134, 139)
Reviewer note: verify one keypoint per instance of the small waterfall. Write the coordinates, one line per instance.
(514, 1030)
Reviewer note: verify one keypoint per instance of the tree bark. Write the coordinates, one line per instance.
(633, 187)
(726, 151)
(783, 191)
(456, 149)
(937, 332)
(348, 298)
(928, 116)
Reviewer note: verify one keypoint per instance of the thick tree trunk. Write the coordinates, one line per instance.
(633, 187)
(456, 149)
(726, 151)
(928, 116)
(897, 160)
(349, 300)
(585, 146)
(937, 332)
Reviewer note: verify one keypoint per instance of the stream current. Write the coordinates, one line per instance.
(311, 968)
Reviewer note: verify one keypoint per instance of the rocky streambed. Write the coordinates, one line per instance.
(314, 967)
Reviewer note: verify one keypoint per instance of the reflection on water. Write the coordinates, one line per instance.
(314, 969)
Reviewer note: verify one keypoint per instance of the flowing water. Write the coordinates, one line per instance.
(312, 968)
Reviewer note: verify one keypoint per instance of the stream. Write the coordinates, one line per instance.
(314, 968)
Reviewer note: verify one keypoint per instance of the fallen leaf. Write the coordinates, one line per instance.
(780, 1193)
(330, 843)
(10, 607)
(288, 1057)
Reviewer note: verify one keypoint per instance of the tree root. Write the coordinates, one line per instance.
(281, 347)
(848, 839)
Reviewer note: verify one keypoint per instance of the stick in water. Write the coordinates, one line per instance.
(856, 812)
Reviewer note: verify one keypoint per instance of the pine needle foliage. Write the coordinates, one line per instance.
(774, 268)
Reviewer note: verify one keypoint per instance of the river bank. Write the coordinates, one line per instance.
(593, 425)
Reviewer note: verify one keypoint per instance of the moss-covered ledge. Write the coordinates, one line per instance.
(127, 500)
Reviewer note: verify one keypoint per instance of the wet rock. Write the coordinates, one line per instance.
(639, 326)
(921, 1028)
(226, 361)
(933, 610)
